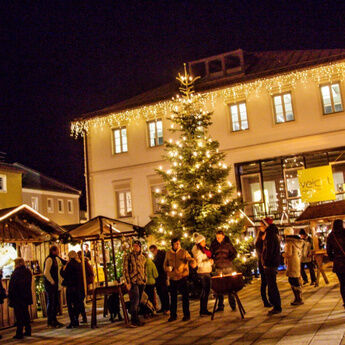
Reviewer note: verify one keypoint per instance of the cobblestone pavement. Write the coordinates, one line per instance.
(321, 320)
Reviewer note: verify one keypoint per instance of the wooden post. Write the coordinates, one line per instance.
(83, 266)
(113, 250)
(103, 253)
(313, 225)
(95, 247)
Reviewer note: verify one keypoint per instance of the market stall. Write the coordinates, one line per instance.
(25, 233)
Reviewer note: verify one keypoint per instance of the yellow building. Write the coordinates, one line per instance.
(274, 114)
(10, 185)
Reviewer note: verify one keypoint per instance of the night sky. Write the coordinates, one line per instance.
(60, 59)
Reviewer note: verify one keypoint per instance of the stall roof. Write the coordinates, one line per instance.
(24, 224)
(99, 227)
(325, 211)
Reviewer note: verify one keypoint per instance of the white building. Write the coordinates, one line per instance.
(274, 113)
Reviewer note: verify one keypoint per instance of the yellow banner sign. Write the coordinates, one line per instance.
(316, 184)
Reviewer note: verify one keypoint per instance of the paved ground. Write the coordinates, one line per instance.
(321, 320)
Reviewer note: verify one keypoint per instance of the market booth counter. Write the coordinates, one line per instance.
(102, 232)
(25, 233)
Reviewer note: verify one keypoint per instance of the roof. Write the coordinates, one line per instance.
(256, 65)
(99, 227)
(10, 167)
(33, 179)
(24, 224)
(325, 211)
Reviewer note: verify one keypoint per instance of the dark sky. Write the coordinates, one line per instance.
(60, 59)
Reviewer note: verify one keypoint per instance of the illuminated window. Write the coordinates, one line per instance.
(124, 203)
(70, 206)
(34, 202)
(331, 98)
(60, 205)
(155, 129)
(50, 205)
(239, 119)
(3, 184)
(120, 140)
(283, 108)
(156, 199)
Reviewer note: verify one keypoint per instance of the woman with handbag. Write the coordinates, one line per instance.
(336, 253)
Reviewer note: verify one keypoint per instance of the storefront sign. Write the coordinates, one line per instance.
(316, 184)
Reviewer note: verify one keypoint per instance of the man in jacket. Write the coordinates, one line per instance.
(270, 262)
(176, 265)
(223, 253)
(52, 282)
(20, 297)
(161, 281)
(2, 293)
(134, 272)
(306, 259)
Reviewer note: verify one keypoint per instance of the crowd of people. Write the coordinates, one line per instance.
(168, 274)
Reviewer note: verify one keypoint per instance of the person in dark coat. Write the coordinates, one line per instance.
(73, 280)
(161, 281)
(223, 253)
(20, 297)
(270, 262)
(307, 258)
(2, 293)
(336, 253)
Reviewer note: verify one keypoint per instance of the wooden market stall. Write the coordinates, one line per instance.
(321, 214)
(100, 230)
(30, 233)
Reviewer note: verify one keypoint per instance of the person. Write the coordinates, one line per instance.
(292, 257)
(202, 256)
(134, 272)
(2, 293)
(151, 276)
(87, 252)
(161, 281)
(258, 247)
(223, 253)
(52, 282)
(270, 262)
(176, 264)
(20, 297)
(73, 281)
(307, 258)
(336, 253)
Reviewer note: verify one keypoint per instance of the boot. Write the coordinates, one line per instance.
(298, 296)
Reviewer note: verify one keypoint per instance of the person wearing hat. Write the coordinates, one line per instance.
(292, 257)
(307, 258)
(75, 294)
(134, 272)
(202, 256)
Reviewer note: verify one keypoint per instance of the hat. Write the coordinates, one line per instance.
(72, 254)
(302, 232)
(267, 221)
(198, 238)
(289, 232)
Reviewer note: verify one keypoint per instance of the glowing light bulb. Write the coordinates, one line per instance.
(157, 190)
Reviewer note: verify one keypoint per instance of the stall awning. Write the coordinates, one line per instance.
(24, 224)
(99, 227)
(326, 211)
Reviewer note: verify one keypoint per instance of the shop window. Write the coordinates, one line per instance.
(50, 205)
(155, 130)
(124, 203)
(239, 119)
(283, 108)
(3, 184)
(252, 195)
(60, 206)
(34, 202)
(338, 169)
(120, 140)
(331, 98)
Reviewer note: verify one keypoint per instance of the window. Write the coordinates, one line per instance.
(120, 140)
(331, 98)
(239, 119)
(60, 205)
(70, 206)
(283, 107)
(34, 202)
(3, 184)
(156, 199)
(50, 205)
(155, 129)
(124, 204)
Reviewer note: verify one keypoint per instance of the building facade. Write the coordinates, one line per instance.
(10, 186)
(274, 113)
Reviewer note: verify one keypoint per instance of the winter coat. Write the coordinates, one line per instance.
(90, 275)
(52, 269)
(203, 262)
(292, 256)
(134, 268)
(20, 287)
(223, 253)
(336, 250)
(73, 275)
(271, 248)
(2, 291)
(306, 250)
(259, 243)
(159, 262)
(151, 272)
(176, 264)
